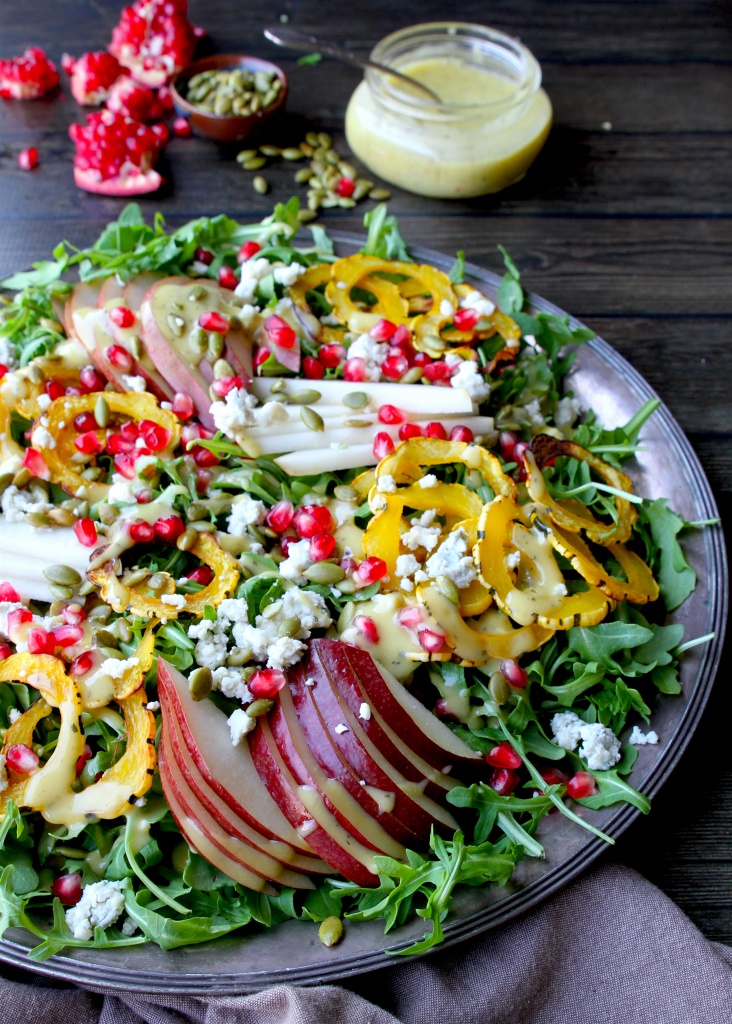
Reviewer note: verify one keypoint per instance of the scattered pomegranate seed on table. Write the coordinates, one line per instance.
(182, 128)
(28, 158)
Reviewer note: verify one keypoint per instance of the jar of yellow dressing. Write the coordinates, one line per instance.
(491, 122)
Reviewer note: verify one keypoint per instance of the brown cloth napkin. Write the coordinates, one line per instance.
(609, 949)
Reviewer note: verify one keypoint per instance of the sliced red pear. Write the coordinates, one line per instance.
(202, 844)
(228, 770)
(112, 291)
(181, 761)
(305, 809)
(137, 288)
(294, 749)
(426, 734)
(238, 847)
(94, 330)
(83, 296)
(408, 805)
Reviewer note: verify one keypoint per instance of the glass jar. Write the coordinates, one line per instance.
(491, 124)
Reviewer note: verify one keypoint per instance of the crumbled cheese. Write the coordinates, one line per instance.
(284, 652)
(341, 728)
(468, 376)
(116, 667)
(16, 503)
(270, 413)
(129, 927)
(364, 712)
(252, 272)
(14, 714)
(240, 723)
(133, 383)
(600, 746)
(153, 705)
(7, 353)
(232, 609)
(44, 438)
(406, 565)
(245, 512)
(231, 682)
(309, 608)
(447, 308)
(452, 560)
(235, 413)
(310, 681)
(121, 493)
(453, 359)
(257, 638)
(639, 738)
(534, 414)
(482, 305)
(386, 484)
(429, 481)
(566, 412)
(177, 601)
(43, 401)
(566, 729)
(373, 353)
(211, 647)
(298, 558)
(422, 534)
(406, 585)
(513, 560)
(287, 275)
(100, 906)
(343, 512)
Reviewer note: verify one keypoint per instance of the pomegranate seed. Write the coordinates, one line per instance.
(503, 756)
(395, 366)
(5, 650)
(280, 516)
(462, 433)
(181, 128)
(90, 380)
(85, 421)
(73, 391)
(35, 464)
(390, 414)
(367, 628)
(203, 256)
(3, 370)
(504, 781)
(313, 368)
(156, 437)
(383, 330)
(68, 635)
(442, 708)
(73, 614)
(261, 356)
(82, 759)
(203, 575)
(554, 777)
(410, 617)
(345, 187)
(67, 889)
(205, 458)
(431, 641)
(182, 406)
(279, 331)
(383, 445)
(581, 785)
(21, 759)
(121, 316)
(141, 532)
(311, 520)
(144, 497)
(17, 618)
(224, 385)
(130, 430)
(169, 528)
(514, 674)
(191, 432)
(28, 158)
(348, 564)
(82, 664)
(408, 430)
(520, 448)
(227, 277)
(119, 357)
(370, 570)
(465, 319)
(331, 355)
(9, 593)
(88, 443)
(247, 250)
(354, 369)
(40, 641)
(438, 370)
(322, 546)
(215, 322)
(421, 359)
(203, 479)
(285, 543)
(86, 532)
(435, 429)
(266, 682)
(117, 444)
(402, 337)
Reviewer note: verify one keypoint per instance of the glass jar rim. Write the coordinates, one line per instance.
(510, 52)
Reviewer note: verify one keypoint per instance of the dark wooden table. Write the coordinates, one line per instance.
(625, 220)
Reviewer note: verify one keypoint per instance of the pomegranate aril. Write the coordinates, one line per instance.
(370, 570)
(312, 368)
(9, 593)
(144, 497)
(410, 617)
(367, 628)
(130, 430)
(462, 433)
(73, 614)
(504, 781)
(514, 674)
(82, 664)
(390, 414)
(141, 532)
(156, 437)
(17, 618)
(116, 444)
(402, 337)
(182, 406)
(203, 480)
(28, 158)
(442, 708)
(90, 380)
(67, 889)
(408, 430)
(136, 101)
(182, 128)
(438, 370)
(3, 370)
(204, 458)
(247, 250)
(115, 154)
(554, 777)
(88, 443)
(311, 520)
(354, 369)
(92, 76)
(224, 385)
(395, 366)
(227, 277)
(345, 187)
(35, 464)
(503, 756)
(431, 641)
(120, 358)
(86, 532)
(169, 528)
(85, 421)
(203, 256)
(348, 564)
(5, 650)
(436, 429)
(280, 516)
(383, 330)
(465, 319)
(331, 355)
(322, 546)
(279, 331)
(68, 635)
(261, 356)
(122, 316)
(40, 641)
(266, 682)
(72, 391)
(82, 759)
(20, 759)
(215, 322)
(383, 445)
(581, 785)
(203, 575)
(421, 359)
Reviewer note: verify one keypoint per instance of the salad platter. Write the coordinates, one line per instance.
(663, 467)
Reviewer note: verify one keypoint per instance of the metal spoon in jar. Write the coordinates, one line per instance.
(294, 40)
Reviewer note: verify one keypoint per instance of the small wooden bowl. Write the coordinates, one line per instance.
(226, 127)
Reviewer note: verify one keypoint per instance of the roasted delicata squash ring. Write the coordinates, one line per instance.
(552, 608)
(124, 599)
(315, 277)
(60, 416)
(476, 598)
(406, 461)
(545, 448)
(133, 678)
(21, 731)
(20, 393)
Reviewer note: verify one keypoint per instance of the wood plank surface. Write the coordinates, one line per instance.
(625, 220)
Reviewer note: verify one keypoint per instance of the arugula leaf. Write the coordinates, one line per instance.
(510, 292)
(599, 643)
(456, 272)
(489, 805)
(383, 237)
(310, 59)
(676, 578)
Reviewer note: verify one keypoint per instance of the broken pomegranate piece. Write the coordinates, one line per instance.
(134, 100)
(115, 155)
(27, 77)
(154, 39)
(92, 76)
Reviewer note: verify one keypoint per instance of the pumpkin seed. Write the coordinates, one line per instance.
(136, 347)
(38, 519)
(5, 481)
(330, 931)
(413, 374)
(199, 340)
(133, 577)
(222, 368)
(325, 573)
(187, 539)
(203, 527)
(259, 707)
(101, 411)
(22, 477)
(292, 153)
(324, 140)
(362, 189)
(290, 626)
(176, 324)
(56, 607)
(268, 150)
(347, 586)
(379, 194)
(60, 592)
(305, 397)
(61, 516)
(199, 683)
(448, 588)
(357, 423)
(215, 345)
(254, 164)
(356, 399)
(99, 613)
(157, 581)
(34, 374)
(245, 154)
(260, 185)
(105, 638)
(305, 216)
(50, 325)
(303, 175)
(277, 385)
(222, 104)
(197, 293)
(107, 513)
(346, 202)
(238, 657)
(311, 138)
(311, 419)
(124, 632)
(87, 588)
(498, 688)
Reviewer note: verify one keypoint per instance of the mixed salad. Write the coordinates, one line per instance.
(318, 589)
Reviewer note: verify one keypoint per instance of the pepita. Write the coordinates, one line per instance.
(101, 411)
(498, 688)
(260, 185)
(290, 626)
(199, 683)
(345, 493)
(448, 588)
(311, 419)
(379, 195)
(255, 163)
(60, 592)
(238, 657)
(304, 397)
(330, 931)
(356, 399)
(105, 638)
(187, 539)
(222, 368)
(63, 574)
(325, 573)
(292, 153)
(259, 707)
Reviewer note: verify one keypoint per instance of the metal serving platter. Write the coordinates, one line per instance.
(292, 954)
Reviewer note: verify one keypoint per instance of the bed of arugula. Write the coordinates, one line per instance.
(611, 673)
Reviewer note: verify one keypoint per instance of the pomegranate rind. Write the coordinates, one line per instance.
(138, 183)
(92, 76)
